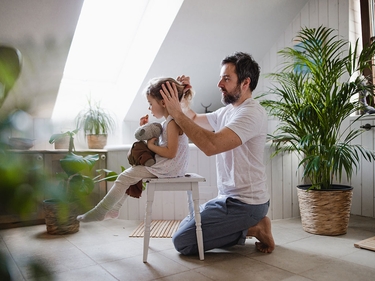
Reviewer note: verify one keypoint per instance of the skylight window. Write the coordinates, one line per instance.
(114, 45)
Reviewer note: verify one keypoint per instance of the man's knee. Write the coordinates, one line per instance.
(183, 246)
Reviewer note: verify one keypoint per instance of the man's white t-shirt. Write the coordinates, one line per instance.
(241, 171)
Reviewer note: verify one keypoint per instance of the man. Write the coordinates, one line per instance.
(236, 134)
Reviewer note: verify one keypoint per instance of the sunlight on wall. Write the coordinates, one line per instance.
(114, 45)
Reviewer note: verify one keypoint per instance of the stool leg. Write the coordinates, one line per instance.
(190, 204)
(150, 189)
(195, 195)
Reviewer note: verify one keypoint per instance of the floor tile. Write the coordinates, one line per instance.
(293, 260)
(134, 269)
(361, 257)
(186, 276)
(243, 268)
(56, 261)
(104, 251)
(90, 273)
(339, 270)
(331, 246)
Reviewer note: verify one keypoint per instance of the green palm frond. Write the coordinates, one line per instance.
(312, 96)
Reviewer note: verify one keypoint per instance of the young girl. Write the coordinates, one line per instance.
(172, 154)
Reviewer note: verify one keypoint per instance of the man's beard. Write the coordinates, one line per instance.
(231, 97)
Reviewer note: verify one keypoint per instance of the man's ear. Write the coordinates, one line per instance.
(246, 82)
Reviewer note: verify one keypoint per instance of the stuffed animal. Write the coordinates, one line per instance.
(148, 131)
(140, 154)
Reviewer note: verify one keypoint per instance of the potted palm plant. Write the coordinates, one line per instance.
(313, 95)
(73, 186)
(96, 123)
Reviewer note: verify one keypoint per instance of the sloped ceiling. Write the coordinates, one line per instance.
(203, 32)
(42, 30)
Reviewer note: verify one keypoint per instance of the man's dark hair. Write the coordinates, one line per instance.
(245, 66)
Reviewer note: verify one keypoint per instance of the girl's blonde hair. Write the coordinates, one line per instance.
(154, 86)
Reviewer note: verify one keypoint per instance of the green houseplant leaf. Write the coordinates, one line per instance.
(73, 163)
(312, 96)
(82, 184)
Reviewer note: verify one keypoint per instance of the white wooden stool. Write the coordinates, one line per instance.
(188, 183)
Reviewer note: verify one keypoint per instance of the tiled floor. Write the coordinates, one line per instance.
(103, 251)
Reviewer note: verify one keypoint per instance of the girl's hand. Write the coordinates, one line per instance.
(143, 120)
(151, 142)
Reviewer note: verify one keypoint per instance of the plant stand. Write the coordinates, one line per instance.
(60, 218)
(325, 212)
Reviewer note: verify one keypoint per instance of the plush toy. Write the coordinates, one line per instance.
(140, 154)
(148, 131)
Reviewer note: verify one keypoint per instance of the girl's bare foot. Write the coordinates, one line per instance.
(262, 232)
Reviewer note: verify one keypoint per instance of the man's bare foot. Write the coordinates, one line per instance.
(262, 232)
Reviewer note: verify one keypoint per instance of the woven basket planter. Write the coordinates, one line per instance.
(325, 212)
(61, 218)
(96, 141)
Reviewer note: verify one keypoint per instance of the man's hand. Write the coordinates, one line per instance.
(170, 95)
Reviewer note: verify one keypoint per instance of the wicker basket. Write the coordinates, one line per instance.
(61, 218)
(96, 141)
(325, 212)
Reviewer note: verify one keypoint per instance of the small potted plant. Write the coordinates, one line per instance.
(96, 123)
(313, 97)
(73, 186)
(64, 140)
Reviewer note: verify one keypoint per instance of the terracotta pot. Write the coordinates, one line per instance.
(62, 143)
